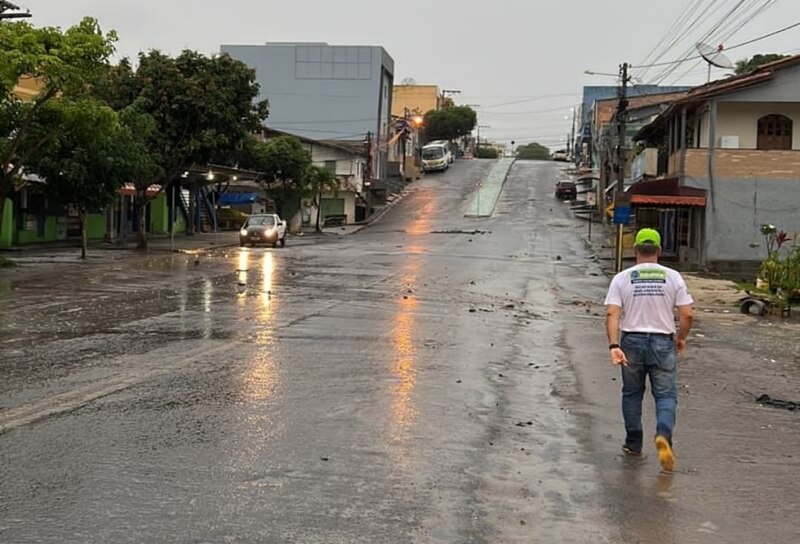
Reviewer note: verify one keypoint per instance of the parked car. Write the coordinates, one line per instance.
(566, 190)
(266, 228)
(450, 149)
(560, 155)
(435, 157)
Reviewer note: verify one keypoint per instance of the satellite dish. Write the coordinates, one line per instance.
(714, 57)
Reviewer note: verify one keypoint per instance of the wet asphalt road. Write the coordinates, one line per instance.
(410, 383)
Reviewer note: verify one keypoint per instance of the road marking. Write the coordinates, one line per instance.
(72, 400)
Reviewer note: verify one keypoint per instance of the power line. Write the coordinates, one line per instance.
(530, 112)
(733, 28)
(702, 17)
(326, 121)
(531, 99)
(738, 45)
(765, 36)
(664, 74)
(676, 24)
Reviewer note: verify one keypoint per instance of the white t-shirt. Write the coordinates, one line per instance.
(647, 294)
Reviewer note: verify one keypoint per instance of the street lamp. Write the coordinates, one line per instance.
(592, 73)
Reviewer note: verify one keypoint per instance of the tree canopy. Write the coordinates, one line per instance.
(202, 109)
(92, 155)
(283, 163)
(54, 63)
(748, 65)
(449, 123)
(534, 152)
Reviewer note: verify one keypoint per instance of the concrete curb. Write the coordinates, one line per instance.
(484, 200)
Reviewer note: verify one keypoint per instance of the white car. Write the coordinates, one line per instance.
(435, 157)
(448, 148)
(263, 228)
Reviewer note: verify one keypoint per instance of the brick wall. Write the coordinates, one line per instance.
(739, 164)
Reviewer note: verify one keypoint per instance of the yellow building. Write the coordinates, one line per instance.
(28, 88)
(414, 98)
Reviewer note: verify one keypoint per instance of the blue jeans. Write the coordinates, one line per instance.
(651, 355)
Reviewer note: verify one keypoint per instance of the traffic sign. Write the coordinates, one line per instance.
(622, 214)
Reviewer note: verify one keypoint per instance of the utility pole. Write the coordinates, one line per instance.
(404, 141)
(444, 94)
(572, 136)
(619, 188)
(622, 115)
(478, 143)
(12, 11)
(368, 172)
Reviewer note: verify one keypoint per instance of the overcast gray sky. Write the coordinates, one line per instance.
(531, 52)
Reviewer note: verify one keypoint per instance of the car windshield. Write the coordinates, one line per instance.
(261, 221)
(432, 153)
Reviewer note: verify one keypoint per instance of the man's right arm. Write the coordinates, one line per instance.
(684, 301)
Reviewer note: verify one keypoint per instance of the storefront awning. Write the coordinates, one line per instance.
(237, 198)
(666, 200)
(665, 192)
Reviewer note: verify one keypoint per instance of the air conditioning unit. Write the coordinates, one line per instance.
(729, 142)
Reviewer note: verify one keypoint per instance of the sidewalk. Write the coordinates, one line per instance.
(97, 248)
(488, 192)
(69, 250)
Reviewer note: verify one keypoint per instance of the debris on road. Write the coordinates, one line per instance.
(766, 400)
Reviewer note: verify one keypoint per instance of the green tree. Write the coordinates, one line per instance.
(203, 109)
(283, 163)
(58, 63)
(90, 158)
(746, 66)
(318, 180)
(534, 152)
(450, 123)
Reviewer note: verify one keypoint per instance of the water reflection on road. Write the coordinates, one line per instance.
(261, 375)
(404, 363)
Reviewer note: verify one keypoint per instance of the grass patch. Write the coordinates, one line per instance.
(751, 288)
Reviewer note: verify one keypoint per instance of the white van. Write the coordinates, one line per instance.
(451, 154)
(435, 157)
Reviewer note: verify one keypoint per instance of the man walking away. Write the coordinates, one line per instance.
(641, 333)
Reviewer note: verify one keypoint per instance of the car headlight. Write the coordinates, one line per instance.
(243, 232)
(269, 232)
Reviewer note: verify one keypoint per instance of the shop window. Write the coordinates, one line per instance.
(775, 132)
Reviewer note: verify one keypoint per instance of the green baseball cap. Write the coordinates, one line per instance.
(648, 236)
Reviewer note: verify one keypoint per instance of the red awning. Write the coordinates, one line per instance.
(665, 192)
(655, 200)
